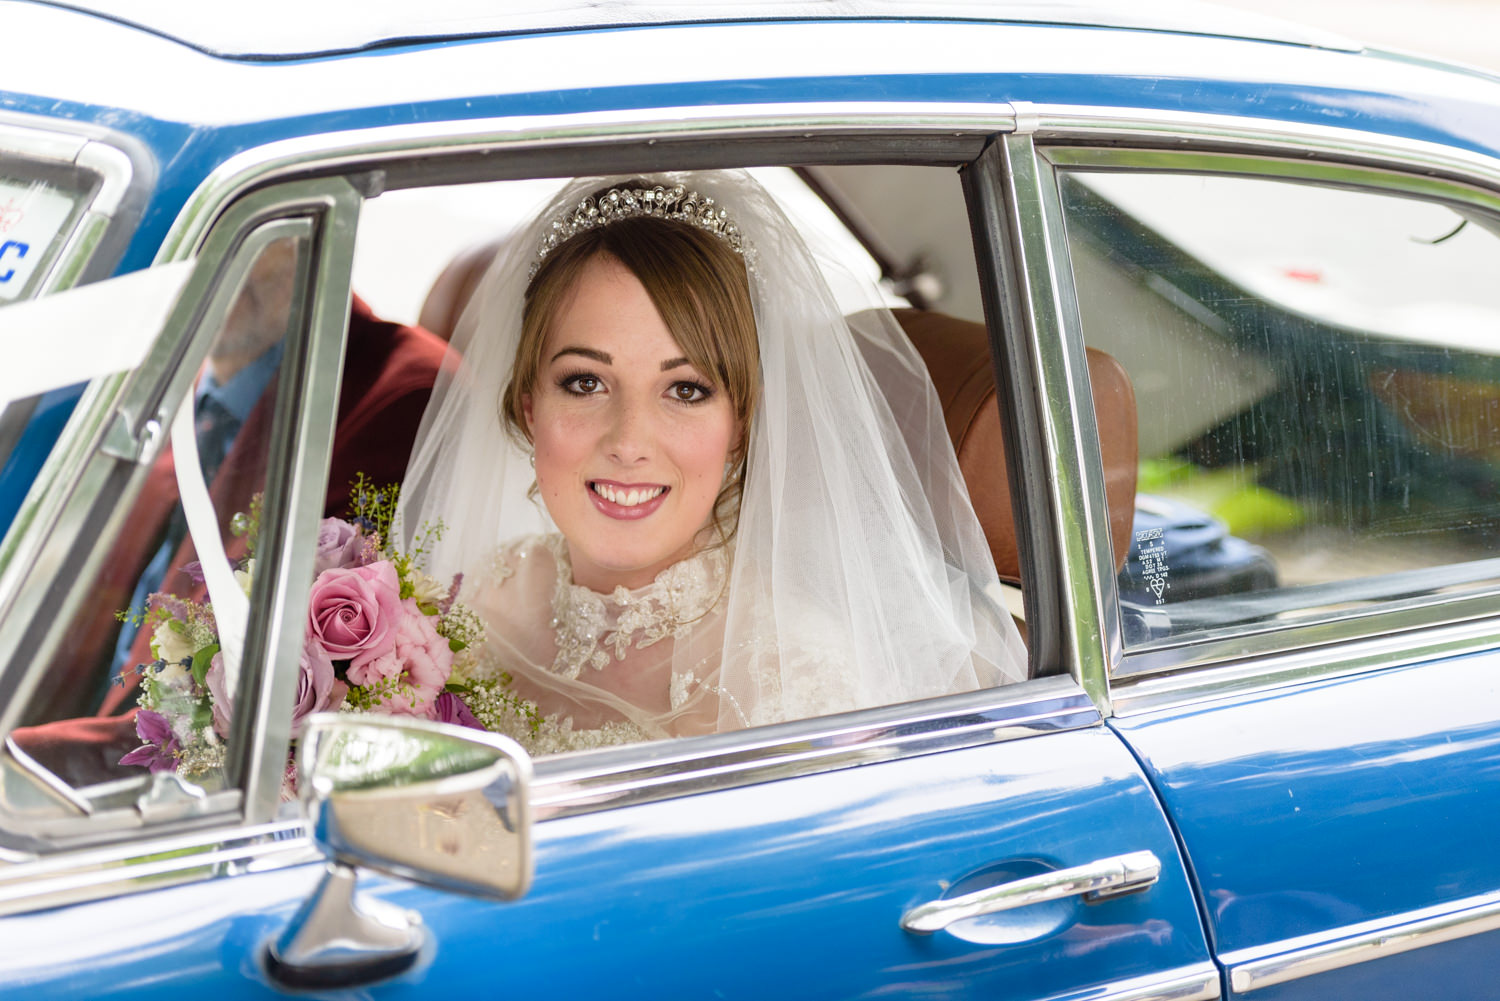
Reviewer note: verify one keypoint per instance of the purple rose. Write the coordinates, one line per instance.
(340, 545)
(449, 708)
(317, 688)
(157, 753)
(418, 656)
(354, 612)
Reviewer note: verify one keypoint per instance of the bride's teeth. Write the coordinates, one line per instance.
(628, 498)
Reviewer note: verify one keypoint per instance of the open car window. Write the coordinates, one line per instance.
(421, 252)
(1318, 381)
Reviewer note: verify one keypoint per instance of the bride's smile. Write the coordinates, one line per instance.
(631, 440)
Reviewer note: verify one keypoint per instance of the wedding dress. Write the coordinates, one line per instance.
(858, 573)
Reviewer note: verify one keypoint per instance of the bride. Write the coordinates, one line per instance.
(686, 493)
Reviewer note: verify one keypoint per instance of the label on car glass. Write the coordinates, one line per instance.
(32, 216)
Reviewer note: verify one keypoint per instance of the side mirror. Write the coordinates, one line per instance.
(442, 805)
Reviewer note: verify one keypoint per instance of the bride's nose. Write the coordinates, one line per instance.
(628, 439)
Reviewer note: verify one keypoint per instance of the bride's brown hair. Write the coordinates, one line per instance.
(700, 287)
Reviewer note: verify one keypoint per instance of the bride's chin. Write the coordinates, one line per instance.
(628, 567)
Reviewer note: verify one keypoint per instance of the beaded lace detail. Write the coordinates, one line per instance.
(593, 629)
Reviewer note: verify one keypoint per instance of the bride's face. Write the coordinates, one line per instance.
(631, 440)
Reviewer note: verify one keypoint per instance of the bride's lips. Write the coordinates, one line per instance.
(614, 499)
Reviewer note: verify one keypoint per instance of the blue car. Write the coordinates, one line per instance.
(1212, 310)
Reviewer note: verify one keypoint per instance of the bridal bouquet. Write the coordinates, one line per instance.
(382, 636)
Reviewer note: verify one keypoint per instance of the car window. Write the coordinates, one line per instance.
(122, 678)
(38, 208)
(1318, 385)
(421, 251)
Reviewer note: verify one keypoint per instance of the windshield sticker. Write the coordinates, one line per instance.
(1151, 550)
(32, 216)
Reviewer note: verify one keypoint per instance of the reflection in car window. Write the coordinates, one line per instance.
(150, 569)
(1319, 385)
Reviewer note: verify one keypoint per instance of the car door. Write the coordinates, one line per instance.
(780, 859)
(1307, 616)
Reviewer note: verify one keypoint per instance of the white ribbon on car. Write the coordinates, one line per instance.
(74, 336)
(231, 605)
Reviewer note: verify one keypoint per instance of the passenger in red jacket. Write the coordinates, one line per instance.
(83, 719)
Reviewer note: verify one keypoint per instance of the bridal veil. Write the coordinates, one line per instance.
(858, 575)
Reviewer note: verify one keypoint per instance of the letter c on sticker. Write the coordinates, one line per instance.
(7, 247)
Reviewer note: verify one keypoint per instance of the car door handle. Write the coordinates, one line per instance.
(1095, 880)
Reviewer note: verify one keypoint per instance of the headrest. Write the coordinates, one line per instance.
(957, 354)
(451, 293)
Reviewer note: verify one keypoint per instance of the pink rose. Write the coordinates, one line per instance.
(354, 612)
(223, 699)
(317, 688)
(340, 545)
(419, 658)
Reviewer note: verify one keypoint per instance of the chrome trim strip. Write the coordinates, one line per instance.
(582, 782)
(1461, 919)
(1259, 672)
(1201, 983)
(1295, 141)
(301, 448)
(1064, 408)
(114, 167)
(1274, 166)
(75, 877)
(368, 148)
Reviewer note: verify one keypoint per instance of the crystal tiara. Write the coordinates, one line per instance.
(675, 203)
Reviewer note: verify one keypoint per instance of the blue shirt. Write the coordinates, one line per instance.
(238, 398)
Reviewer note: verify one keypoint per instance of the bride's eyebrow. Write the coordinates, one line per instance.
(672, 363)
(604, 358)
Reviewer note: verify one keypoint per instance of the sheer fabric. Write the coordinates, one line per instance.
(858, 573)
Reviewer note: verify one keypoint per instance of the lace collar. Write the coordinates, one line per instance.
(590, 626)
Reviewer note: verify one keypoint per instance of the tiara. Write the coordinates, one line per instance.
(675, 203)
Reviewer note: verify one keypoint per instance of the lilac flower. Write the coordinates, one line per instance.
(446, 605)
(449, 708)
(158, 753)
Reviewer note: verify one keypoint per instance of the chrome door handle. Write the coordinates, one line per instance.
(1096, 880)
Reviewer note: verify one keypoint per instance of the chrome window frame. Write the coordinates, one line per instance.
(102, 224)
(109, 447)
(1197, 667)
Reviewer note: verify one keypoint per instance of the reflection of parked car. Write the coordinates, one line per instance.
(1251, 273)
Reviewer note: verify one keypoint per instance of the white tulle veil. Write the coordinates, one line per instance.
(858, 572)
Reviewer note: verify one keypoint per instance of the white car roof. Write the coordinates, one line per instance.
(280, 29)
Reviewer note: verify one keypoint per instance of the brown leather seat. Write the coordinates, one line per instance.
(957, 354)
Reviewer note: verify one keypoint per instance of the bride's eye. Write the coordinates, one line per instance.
(581, 384)
(689, 392)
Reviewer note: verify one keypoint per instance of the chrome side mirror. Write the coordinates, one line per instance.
(437, 804)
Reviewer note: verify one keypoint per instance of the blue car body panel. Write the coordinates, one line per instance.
(705, 896)
(1316, 811)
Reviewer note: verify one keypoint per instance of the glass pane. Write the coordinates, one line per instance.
(36, 216)
(1317, 374)
(147, 638)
